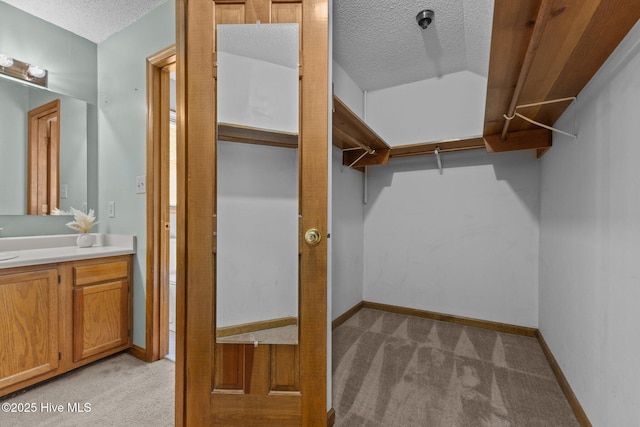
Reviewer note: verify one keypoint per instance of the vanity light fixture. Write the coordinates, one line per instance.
(18, 70)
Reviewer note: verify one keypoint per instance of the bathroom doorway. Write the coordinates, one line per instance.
(162, 199)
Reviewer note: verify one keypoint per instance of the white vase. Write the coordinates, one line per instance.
(85, 240)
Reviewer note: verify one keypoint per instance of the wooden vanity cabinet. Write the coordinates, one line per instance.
(57, 317)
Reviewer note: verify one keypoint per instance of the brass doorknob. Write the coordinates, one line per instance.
(312, 236)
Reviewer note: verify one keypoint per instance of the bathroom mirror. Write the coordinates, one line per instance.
(17, 100)
(257, 183)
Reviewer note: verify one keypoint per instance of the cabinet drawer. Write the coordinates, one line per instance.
(94, 273)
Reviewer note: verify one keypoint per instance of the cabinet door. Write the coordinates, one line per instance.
(101, 318)
(28, 325)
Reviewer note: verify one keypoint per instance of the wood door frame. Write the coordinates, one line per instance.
(53, 169)
(157, 272)
(195, 344)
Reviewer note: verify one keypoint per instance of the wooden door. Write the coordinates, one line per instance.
(44, 159)
(237, 384)
(29, 332)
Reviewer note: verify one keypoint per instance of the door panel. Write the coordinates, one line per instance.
(256, 411)
(284, 378)
(28, 299)
(100, 321)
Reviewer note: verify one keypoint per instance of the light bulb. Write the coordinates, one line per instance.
(6, 61)
(37, 72)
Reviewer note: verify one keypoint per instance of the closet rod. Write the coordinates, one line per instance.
(541, 22)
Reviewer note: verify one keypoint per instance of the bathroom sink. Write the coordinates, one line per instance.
(4, 256)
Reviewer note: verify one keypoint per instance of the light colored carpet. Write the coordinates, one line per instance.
(395, 370)
(388, 370)
(121, 391)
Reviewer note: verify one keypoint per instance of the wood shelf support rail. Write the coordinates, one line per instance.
(351, 140)
(360, 158)
(541, 22)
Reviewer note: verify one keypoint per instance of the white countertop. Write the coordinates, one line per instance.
(37, 250)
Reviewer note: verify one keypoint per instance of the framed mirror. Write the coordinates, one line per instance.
(257, 252)
(67, 167)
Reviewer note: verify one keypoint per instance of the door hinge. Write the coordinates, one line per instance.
(59, 356)
(59, 279)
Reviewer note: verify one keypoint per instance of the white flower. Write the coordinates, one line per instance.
(82, 222)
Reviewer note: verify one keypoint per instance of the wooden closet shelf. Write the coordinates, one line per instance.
(355, 138)
(360, 144)
(251, 135)
(543, 50)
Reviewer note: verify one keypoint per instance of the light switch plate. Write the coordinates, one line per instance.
(141, 184)
(112, 209)
(63, 191)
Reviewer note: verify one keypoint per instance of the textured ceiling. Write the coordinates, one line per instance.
(379, 43)
(94, 20)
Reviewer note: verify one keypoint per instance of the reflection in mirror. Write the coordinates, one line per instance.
(257, 184)
(17, 100)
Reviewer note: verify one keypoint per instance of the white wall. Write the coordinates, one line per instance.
(589, 245)
(257, 93)
(122, 134)
(257, 245)
(436, 109)
(462, 243)
(347, 90)
(347, 211)
(258, 76)
(347, 236)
